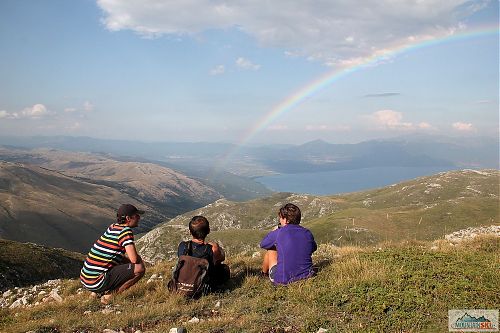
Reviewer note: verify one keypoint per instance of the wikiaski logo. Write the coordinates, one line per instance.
(473, 320)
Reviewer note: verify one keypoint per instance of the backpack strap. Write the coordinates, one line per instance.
(188, 248)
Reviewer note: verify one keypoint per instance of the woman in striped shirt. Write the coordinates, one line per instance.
(112, 264)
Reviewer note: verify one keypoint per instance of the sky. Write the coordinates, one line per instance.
(249, 72)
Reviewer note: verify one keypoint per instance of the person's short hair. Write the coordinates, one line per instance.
(199, 227)
(291, 213)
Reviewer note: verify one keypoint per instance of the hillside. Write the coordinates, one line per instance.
(426, 208)
(170, 192)
(47, 207)
(404, 287)
(23, 264)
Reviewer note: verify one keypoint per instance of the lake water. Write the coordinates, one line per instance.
(343, 181)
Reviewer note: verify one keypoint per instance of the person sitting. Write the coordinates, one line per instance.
(289, 248)
(106, 270)
(218, 273)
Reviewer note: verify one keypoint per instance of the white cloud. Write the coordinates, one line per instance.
(69, 110)
(336, 32)
(424, 125)
(246, 64)
(464, 127)
(87, 106)
(390, 119)
(3, 114)
(218, 70)
(35, 111)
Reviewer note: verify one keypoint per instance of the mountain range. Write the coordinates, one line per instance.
(254, 161)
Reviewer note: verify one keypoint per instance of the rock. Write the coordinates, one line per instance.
(87, 312)
(17, 303)
(55, 296)
(177, 330)
(138, 331)
(256, 255)
(322, 330)
(43, 292)
(194, 320)
(107, 330)
(217, 305)
(7, 293)
(107, 311)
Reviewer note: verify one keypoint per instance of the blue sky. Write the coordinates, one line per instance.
(212, 70)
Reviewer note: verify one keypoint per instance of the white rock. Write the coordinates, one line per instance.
(138, 331)
(107, 311)
(322, 330)
(43, 292)
(256, 255)
(16, 304)
(107, 330)
(7, 293)
(87, 312)
(193, 320)
(177, 330)
(24, 300)
(56, 296)
(217, 305)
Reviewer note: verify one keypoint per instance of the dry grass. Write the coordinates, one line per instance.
(398, 287)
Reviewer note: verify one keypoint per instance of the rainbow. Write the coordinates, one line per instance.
(313, 87)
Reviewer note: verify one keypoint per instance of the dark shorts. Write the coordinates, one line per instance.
(272, 271)
(116, 277)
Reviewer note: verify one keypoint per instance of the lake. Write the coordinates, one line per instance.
(343, 181)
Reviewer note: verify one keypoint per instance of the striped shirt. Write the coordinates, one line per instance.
(107, 251)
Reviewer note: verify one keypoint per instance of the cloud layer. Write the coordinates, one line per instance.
(336, 32)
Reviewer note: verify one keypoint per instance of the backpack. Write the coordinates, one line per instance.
(190, 276)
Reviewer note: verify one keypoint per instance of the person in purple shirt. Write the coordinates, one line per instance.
(289, 248)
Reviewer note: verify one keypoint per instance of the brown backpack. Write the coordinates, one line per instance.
(190, 275)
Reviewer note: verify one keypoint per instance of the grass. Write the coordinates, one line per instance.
(425, 209)
(396, 287)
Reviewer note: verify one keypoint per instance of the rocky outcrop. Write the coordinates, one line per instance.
(469, 233)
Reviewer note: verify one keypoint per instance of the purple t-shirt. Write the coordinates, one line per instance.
(295, 245)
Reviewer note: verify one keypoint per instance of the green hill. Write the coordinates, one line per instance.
(426, 208)
(23, 264)
(404, 287)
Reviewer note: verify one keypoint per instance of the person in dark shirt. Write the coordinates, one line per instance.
(218, 273)
(289, 248)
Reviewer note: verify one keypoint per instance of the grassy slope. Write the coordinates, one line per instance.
(399, 287)
(23, 264)
(426, 208)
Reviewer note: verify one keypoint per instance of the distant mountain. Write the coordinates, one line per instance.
(23, 264)
(196, 160)
(318, 155)
(426, 208)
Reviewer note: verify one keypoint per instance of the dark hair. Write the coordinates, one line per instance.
(291, 213)
(199, 227)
